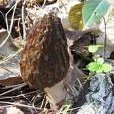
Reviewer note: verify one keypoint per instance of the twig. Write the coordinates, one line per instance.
(19, 28)
(29, 93)
(22, 85)
(12, 86)
(9, 31)
(5, 106)
(2, 14)
(43, 102)
(10, 56)
(24, 28)
(105, 40)
(21, 105)
(3, 67)
(44, 4)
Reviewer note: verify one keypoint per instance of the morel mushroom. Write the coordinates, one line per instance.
(45, 60)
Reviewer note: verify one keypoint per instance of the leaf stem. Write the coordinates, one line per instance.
(105, 40)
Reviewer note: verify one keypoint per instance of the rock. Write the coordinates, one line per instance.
(100, 99)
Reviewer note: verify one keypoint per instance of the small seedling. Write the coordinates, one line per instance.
(93, 48)
(98, 65)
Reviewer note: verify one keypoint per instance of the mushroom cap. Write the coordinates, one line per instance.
(45, 60)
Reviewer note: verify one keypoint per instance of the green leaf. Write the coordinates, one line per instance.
(93, 11)
(92, 48)
(107, 67)
(75, 17)
(100, 70)
(100, 61)
(94, 67)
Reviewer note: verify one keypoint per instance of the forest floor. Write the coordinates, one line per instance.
(84, 94)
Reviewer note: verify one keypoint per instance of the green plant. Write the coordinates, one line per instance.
(93, 11)
(87, 13)
(93, 48)
(98, 65)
